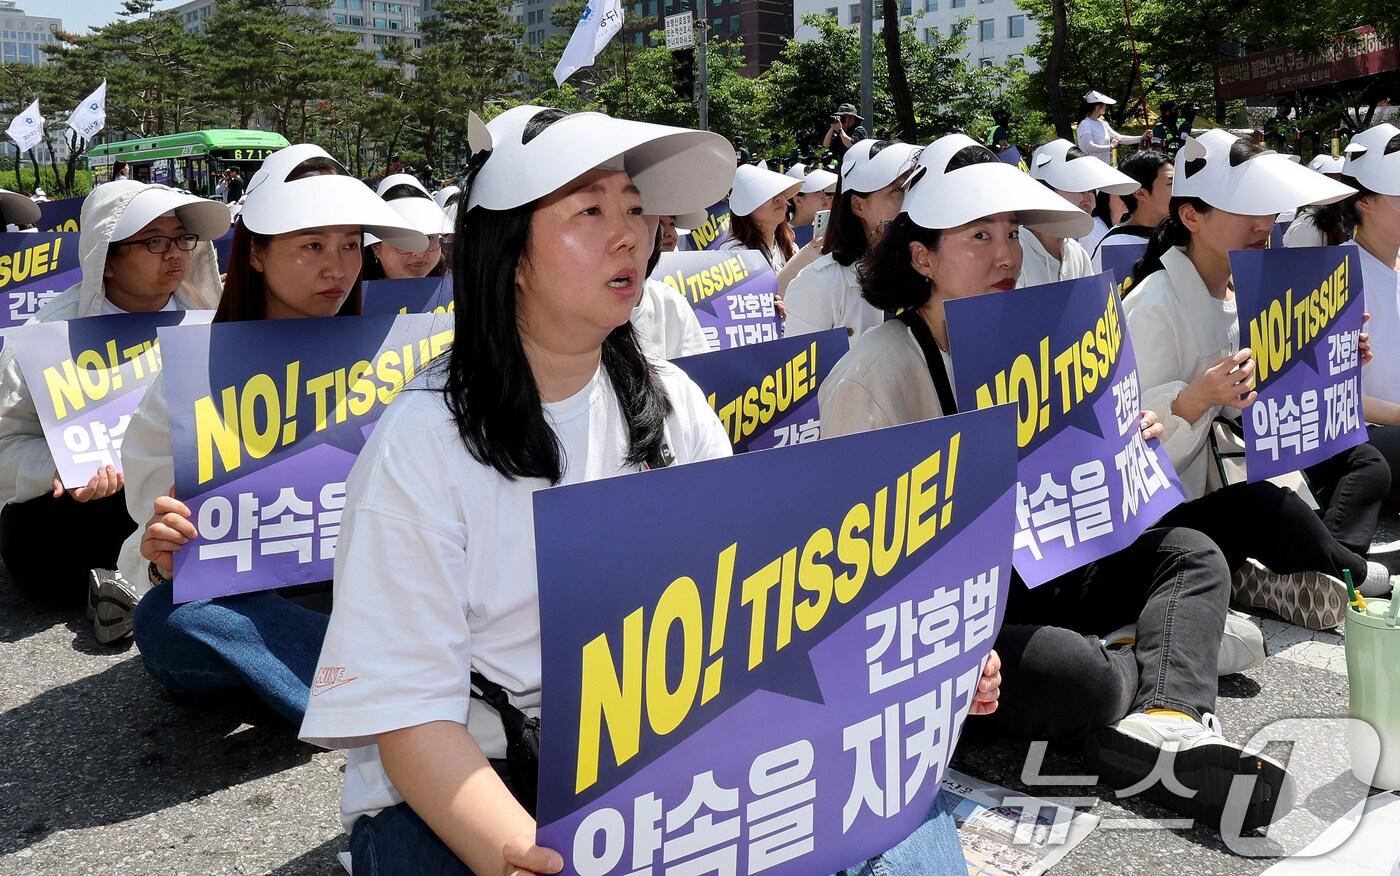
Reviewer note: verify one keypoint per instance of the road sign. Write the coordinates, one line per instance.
(680, 31)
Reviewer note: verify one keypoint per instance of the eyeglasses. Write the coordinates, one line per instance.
(160, 244)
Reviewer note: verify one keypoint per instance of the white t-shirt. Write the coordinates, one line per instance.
(666, 325)
(1381, 377)
(1090, 241)
(435, 572)
(1303, 231)
(826, 295)
(1095, 137)
(1038, 266)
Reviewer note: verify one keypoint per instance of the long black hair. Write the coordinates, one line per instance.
(1173, 232)
(888, 279)
(489, 388)
(845, 234)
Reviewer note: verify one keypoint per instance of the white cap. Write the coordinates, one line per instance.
(443, 195)
(939, 198)
(676, 169)
(1083, 174)
(1099, 97)
(421, 211)
(16, 209)
(1266, 184)
(864, 173)
(1324, 163)
(206, 218)
(754, 186)
(272, 205)
(1369, 162)
(797, 171)
(819, 180)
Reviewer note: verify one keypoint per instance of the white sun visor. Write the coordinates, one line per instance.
(818, 180)
(16, 209)
(676, 169)
(273, 205)
(1083, 174)
(865, 173)
(1260, 186)
(1099, 97)
(1325, 163)
(939, 198)
(1371, 161)
(755, 186)
(208, 219)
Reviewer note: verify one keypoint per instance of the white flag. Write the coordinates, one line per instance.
(27, 128)
(600, 22)
(90, 116)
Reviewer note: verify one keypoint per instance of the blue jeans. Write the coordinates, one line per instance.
(259, 643)
(396, 842)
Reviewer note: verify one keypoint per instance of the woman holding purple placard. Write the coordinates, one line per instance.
(1183, 322)
(958, 237)
(296, 253)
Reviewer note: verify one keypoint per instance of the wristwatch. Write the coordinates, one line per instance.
(154, 576)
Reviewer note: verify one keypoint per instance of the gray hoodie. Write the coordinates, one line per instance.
(27, 468)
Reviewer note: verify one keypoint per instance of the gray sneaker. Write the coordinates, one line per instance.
(1309, 599)
(111, 601)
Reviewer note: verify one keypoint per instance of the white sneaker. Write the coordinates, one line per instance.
(1189, 766)
(1242, 646)
(1309, 599)
(111, 603)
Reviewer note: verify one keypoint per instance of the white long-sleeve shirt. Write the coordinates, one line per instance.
(1038, 266)
(826, 295)
(1095, 137)
(1179, 330)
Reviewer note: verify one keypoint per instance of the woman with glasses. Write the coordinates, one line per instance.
(143, 248)
(384, 261)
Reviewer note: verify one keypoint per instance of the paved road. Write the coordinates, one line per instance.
(102, 773)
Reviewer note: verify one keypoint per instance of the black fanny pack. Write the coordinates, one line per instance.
(522, 764)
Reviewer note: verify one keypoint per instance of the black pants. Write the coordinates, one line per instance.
(1271, 524)
(49, 544)
(1059, 681)
(1386, 440)
(1351, 488)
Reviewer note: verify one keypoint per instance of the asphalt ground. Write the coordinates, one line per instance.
(102, 773)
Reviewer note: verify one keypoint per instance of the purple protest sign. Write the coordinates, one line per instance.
(733, 292)
(1300, 311)
(712, 232)
(766, 394)
(266, 419)
(414, 295)
(1088, 482)
(771, 657)
(63, 214)
(33, 269)
(86, 377)
(1119, 260)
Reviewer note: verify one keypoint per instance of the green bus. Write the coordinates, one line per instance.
(193, 161)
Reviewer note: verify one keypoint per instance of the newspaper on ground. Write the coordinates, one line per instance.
(1004, 833)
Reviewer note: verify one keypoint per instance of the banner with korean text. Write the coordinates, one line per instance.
(33, 269)
(779, 688)
(266, 420)
(733, 292)
(766, 394)
(86, 377)
(1088, 482)
(1300, 311)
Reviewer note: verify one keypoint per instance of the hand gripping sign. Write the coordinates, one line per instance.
(766, 394)
(266, 419)
(768, 667)
(733, 293)
(86, 377)
(1300, 312)
(1089, 484)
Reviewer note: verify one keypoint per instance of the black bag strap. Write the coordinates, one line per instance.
(495, 696)
(936, 369)
(1141, 231)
